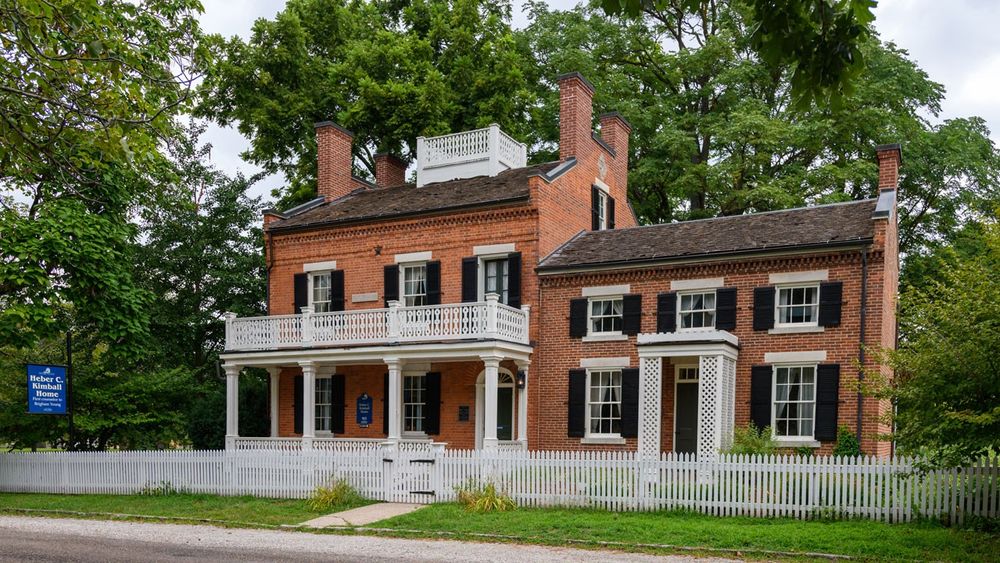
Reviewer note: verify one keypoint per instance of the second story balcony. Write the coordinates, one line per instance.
(480, 152)
(484, 320)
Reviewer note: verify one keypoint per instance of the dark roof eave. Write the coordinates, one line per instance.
(556, 269)
(372, 218)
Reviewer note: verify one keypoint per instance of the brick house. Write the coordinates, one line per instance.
(491, 304)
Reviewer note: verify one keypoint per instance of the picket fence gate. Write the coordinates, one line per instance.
(891, 490)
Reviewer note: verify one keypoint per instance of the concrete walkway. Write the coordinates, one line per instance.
(364, 515)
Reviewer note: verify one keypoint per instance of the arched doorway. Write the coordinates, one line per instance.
(505, 406)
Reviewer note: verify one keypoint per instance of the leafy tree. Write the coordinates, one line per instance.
(716, 132)
(947, 384)
(87, 90)
(819, 41)
(388, 71)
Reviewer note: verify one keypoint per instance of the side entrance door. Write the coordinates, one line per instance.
(686, 410)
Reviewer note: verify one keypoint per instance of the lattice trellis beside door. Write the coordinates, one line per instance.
(709, 406)
(728, 419)
(650, 399)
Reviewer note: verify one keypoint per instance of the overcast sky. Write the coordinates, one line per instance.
(955, 42)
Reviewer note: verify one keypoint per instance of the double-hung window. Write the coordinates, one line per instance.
(495, 278)
(320, 293)
(605, 315)
(602, 210)
(324, 404)
(696, 310)
(414, 397)
(413, 282)
(794, 401)
(798, 305)
(604, 403)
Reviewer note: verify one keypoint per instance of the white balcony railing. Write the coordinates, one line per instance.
(396, 324)
(481, 152)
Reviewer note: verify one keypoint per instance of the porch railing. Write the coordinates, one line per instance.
(484, 320)
(480, 152)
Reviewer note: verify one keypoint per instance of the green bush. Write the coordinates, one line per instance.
(753, 441)
(847, 443)
(804, 451)
(162, 489)
(338, 493)
(476, 498)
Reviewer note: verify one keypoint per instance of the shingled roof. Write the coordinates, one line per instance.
(821, 225)
(509, 186)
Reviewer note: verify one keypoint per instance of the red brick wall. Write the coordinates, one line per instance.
(557, 353)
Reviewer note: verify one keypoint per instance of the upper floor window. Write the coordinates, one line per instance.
(604, 403)
(602, 210)
(696, 310)
(414, 390)
(495, 278)
(605, 315)
(414, 284)
(798, 305)
(324, 404)
(794, 401)
(320, 295)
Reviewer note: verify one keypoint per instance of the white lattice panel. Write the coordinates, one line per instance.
(709, 407)
(650, 399)
(728, 401)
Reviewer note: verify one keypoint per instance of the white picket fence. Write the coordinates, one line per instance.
(891, 490)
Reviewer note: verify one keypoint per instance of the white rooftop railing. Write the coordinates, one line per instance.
(483, 320)
(480, 152)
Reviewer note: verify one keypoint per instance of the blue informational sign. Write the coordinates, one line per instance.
(364, 416)
(47, 389)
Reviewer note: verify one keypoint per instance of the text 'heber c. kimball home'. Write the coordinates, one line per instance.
(496, 305)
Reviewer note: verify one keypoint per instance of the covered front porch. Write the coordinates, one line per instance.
(465, 395)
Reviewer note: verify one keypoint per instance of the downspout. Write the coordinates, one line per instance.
(861, 339)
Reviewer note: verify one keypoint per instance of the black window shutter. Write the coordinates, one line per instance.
(338, 401)
(763, 308)
(630, 402)
(470, 279)
(385, 404)
(725, 308)
(760, 396)
(434, 283)
(301, 288)
(595, 219)
(297, 404)
(611, 212)
(578, 317)
(514, 279)
(827, 401)
(432, 406)
(666, 312)
(830, 298)
(337, 290)
(631, 313)
(390, 276)
(577, 416)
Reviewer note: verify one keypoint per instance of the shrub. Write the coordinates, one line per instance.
(847, 443)
(337, 493)
(476, 498)
(753, 441)
(161, 489)
(804, 451)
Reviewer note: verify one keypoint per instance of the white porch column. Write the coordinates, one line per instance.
(650, 404)
(492, 365)
(308, 400)
(395, 399)
(522, 407)
(275, 374)
(232, 404)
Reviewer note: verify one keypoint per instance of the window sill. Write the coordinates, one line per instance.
(796, 329)
(605, 337)
(604, 441)
(797, 443)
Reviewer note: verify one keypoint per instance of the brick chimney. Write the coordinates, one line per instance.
(334, 161)
(576, 98)
(389, 170)
(615, 131)
(889, 159)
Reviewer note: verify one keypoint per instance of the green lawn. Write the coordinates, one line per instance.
(248, 510)
(856, 538)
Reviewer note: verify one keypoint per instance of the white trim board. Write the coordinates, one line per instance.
(606, 290)
(487, 249)
(320, 266)
(702, 283)
(604, 362)
(791, 357)
(795, 277)
(413, 257)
